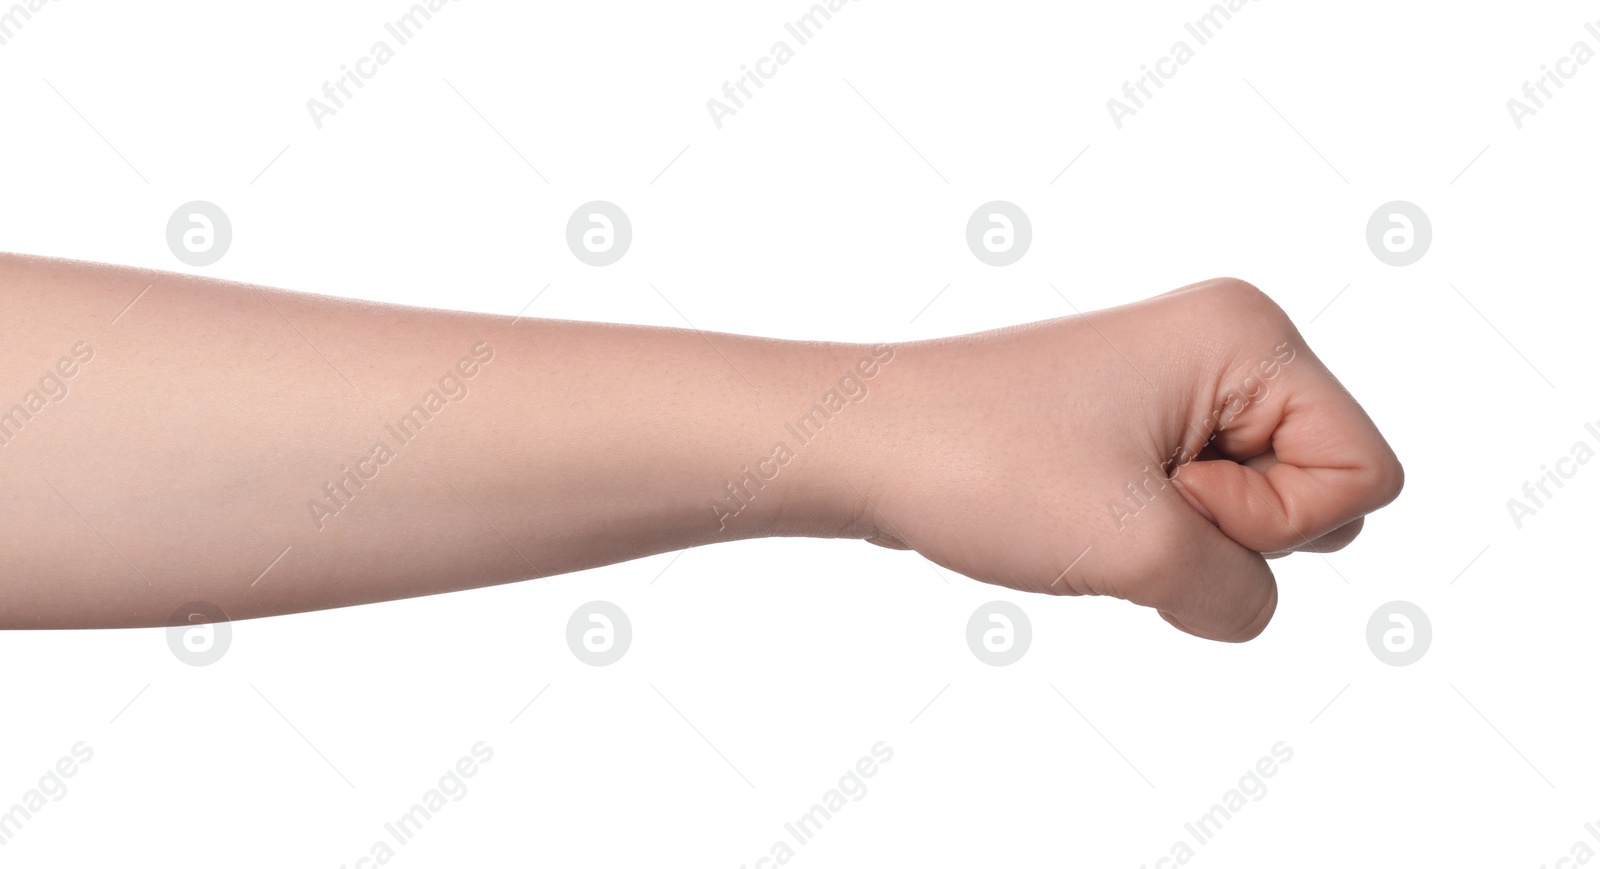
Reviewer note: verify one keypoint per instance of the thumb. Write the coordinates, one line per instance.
(1298, 461)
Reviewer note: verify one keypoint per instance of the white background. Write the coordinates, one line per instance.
(833, 206)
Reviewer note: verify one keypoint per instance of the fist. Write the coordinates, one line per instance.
(1158, 452)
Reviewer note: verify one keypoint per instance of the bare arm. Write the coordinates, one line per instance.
(168, 439)
(179, 451)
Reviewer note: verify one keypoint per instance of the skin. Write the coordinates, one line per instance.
(1152, 452)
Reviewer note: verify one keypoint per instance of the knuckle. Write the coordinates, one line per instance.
(1252, 627)
(1237, 302)
(1391, 478)
(1240, 292)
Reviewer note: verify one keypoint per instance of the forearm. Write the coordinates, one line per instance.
(273, 452)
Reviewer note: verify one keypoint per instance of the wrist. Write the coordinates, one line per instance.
(817, 467)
